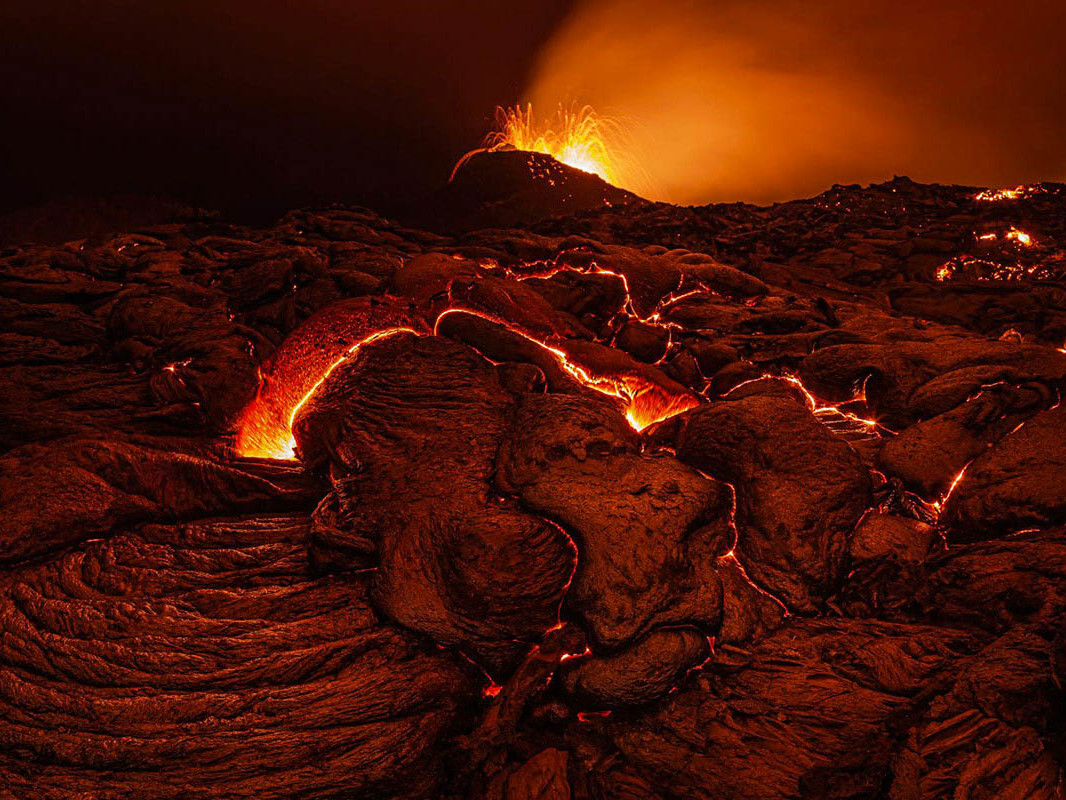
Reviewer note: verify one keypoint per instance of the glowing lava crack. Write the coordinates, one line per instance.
(308, 357)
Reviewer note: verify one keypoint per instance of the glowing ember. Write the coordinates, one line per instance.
(995, 195)
(581, 139)
(588, 716)
(1020, 237)
(177, 365)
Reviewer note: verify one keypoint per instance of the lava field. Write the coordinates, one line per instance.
(578, 496)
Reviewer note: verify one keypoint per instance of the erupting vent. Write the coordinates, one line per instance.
(580, 138)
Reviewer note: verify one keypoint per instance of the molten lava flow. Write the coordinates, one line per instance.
(266, 424)
(1013, 235)
(967, 267)
(646, 402)
(996, 195)
(581, 139)
(312, 352)
(1022, 192)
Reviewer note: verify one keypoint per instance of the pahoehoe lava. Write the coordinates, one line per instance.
(561, 494)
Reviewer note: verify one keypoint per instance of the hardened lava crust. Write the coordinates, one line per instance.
(621, 500)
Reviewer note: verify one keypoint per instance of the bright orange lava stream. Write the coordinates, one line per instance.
(266, 431)
(266, 424)
(645, 402)
(580, 138)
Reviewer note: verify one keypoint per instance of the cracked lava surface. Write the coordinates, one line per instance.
(639, 502)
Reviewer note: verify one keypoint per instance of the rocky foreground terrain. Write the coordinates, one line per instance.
(633, 502)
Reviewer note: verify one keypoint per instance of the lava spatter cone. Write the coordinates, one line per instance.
(508, 187)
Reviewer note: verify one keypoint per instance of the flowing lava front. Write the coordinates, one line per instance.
(645, 401)
(579, 138)
(266, 425)
(302, 362)
(307, 359)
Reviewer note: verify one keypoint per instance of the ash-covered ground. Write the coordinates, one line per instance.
(633, 502)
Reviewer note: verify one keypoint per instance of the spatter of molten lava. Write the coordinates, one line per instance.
(579, 138)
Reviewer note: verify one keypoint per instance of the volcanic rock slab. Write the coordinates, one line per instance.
(800, 491)
(173, 660)
(648, 530)
(1016, 485)
(413, 425)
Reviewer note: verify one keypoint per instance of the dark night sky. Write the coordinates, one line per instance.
(255, 107)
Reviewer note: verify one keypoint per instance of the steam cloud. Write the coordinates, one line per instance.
(765, 100)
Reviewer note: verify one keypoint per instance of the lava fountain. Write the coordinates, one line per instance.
(579, 138)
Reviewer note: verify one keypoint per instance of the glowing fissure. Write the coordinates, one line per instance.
(573, 572)
(938, 505)
(730, 557)
(834, 417)
(627, 309)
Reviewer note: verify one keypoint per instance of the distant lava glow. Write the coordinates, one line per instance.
(995, 195)
(579, 138)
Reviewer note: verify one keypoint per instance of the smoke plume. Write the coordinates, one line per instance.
(766, 100)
